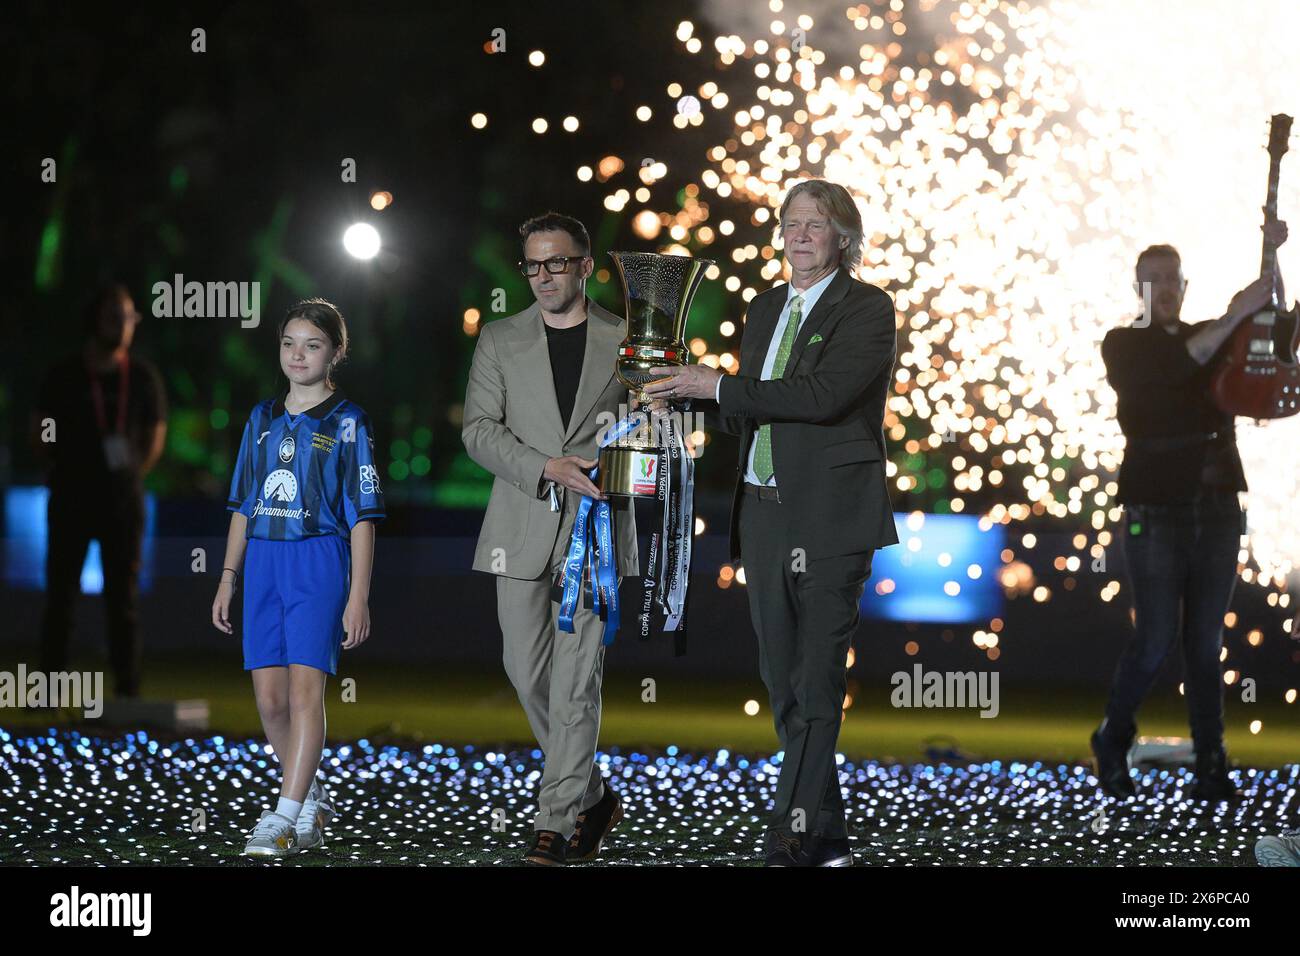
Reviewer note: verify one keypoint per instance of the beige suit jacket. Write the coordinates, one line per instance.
(512, 426)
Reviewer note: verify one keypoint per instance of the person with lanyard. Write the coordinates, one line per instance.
(1183, 522)
(541, 386)
(100, 424)
(810, 504)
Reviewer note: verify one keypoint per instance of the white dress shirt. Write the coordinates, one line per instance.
(810, 297)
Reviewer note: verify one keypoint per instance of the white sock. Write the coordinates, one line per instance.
(316, 791)
(289, 809)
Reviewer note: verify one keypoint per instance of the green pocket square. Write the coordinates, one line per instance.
(815, 339)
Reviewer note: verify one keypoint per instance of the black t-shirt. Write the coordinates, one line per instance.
(567, 348)
(1180, 445)
(78, 463)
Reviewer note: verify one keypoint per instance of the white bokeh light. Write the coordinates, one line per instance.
(361, 240)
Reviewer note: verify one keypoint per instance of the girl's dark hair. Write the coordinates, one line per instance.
(325, 316)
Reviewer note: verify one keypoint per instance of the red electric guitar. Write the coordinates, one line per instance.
(1258, 376)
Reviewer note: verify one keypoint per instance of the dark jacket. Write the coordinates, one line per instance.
(1178, 443)
(826, 412)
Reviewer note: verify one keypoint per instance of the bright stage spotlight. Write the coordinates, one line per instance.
(361, 240)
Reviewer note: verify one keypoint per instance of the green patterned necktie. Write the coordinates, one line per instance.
(763, 450)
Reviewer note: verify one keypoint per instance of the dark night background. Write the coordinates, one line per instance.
(225, 166)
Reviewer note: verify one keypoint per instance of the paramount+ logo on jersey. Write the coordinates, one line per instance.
(280, 486)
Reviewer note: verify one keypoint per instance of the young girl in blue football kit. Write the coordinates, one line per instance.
(305, 496)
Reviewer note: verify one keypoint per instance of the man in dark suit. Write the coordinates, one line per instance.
(811, 503)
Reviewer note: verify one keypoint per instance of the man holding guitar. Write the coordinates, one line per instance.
(1182, 524)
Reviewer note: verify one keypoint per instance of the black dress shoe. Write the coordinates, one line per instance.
(783, 849)
(829, 851)
(1112, 767)
(1212, 780)
(594, 825)
(548, 849)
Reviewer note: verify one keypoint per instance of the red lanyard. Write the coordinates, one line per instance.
(97, 396)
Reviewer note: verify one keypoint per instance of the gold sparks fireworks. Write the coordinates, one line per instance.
(1009, 160)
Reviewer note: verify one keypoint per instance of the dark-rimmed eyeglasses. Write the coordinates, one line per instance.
(556, 265)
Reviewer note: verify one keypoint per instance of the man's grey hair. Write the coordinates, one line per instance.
(838, 205)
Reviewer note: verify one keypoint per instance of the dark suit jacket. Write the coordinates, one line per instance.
(826, 412)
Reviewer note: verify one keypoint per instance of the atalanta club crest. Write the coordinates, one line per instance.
(286, 449)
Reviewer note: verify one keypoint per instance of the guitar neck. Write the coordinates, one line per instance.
(1268, 258)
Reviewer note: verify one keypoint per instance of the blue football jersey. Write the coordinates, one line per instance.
(308, 474)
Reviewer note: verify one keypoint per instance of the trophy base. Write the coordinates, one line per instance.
(629, 472)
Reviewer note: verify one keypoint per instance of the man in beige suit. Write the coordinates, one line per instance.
(541, 394)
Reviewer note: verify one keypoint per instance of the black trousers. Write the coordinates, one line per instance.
(1182, 566)
(805, 614)
(117, 523)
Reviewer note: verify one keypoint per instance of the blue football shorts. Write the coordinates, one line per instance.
(295, 593)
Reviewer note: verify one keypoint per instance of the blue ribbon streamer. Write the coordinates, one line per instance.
(594, 547)
(574, 563)
(605, 588)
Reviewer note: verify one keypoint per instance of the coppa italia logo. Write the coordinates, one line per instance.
(643, 474)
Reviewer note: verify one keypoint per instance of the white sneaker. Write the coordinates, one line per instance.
(273, 836)
(317, 811)
(1280, 850)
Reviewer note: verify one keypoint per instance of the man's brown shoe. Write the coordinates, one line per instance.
(548, 849)
(594, 825)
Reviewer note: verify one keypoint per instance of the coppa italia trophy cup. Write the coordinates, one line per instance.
(644, 459)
